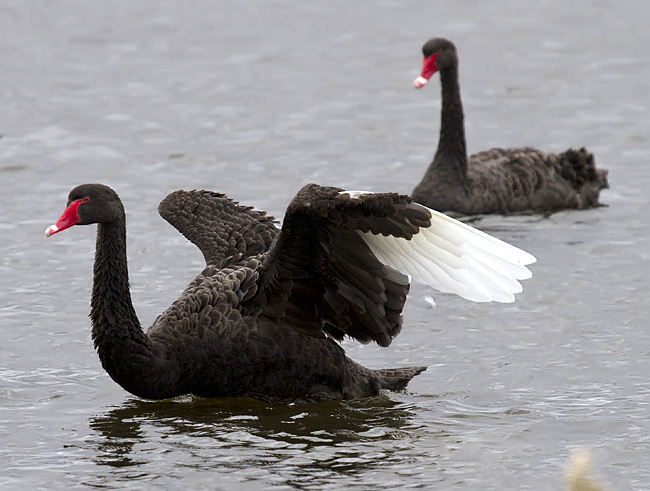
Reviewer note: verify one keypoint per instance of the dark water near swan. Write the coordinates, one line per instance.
(255, 99)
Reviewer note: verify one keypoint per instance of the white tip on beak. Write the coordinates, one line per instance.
(52, 229)
(419, 82)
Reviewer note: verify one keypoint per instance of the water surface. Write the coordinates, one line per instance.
(255, 99)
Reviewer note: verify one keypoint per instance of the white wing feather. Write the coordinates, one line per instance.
(453, 257)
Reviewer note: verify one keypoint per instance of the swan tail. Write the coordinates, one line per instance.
(579, 167)
(397, 378)
(454, 257)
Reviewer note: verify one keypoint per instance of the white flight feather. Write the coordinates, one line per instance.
(436, 273)
(453, 257)
(478, 274)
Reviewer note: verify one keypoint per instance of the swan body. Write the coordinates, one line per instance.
(499, 180)
(264, 316)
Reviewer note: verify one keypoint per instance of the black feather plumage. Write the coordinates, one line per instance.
(499, 180)
(262, 318)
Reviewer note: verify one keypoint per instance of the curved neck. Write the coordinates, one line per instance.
(123, 348)
(452, 152)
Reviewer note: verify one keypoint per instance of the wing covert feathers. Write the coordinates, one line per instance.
(339, 264)
(221, 228)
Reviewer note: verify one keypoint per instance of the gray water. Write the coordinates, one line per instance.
(255, 99)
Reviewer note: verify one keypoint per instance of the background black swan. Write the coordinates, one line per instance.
(261, 319)
(500, 180)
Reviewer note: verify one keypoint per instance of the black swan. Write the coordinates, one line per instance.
(263, 317)
(499, 180)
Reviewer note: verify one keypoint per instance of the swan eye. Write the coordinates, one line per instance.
(86, 199)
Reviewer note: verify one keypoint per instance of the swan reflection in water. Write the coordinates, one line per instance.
(244, 432)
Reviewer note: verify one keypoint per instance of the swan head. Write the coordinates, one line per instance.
(437, 54)
(88, 203)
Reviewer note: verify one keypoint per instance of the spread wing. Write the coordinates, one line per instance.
(225, 231)
(339, 264)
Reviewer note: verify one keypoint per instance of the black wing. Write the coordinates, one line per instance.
(320, 276)
(221, 228)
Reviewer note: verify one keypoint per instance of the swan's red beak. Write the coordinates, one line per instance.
(68, 218)
(428, 68)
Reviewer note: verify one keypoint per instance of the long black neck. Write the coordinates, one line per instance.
(451, 156)
(444, 185)
(124, 349)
